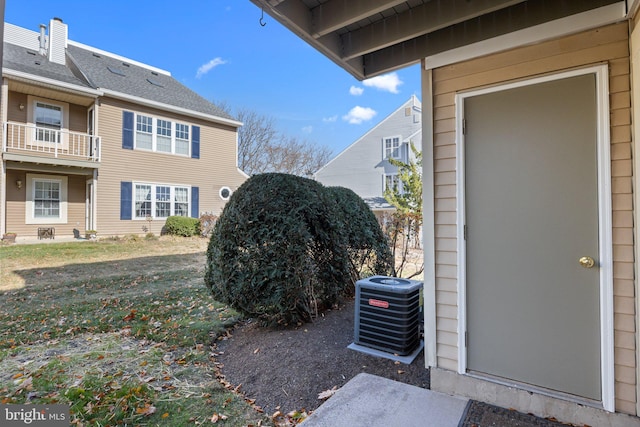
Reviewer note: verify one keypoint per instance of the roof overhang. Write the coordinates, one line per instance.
(44, 82)
(373, 37)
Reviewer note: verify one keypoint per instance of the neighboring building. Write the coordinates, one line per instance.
(363, 166)
(95, 141)
(530, 167)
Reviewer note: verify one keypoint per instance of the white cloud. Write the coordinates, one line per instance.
(356, 91)
(307, 129)
(388, 82)
(358, 114)
(331, 119)
(205, 68)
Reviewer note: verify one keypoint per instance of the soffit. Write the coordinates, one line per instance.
(43, 90)
(372, 37)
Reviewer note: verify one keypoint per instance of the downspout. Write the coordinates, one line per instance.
(428, 219)
(94, 202)
(3, 106)
(4, 95)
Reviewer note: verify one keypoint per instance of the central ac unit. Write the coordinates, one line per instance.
(388, 315)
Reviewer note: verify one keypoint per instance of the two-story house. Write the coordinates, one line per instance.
(364, 166)
(95, 141)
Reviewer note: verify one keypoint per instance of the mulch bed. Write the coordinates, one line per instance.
(479, 414)
(285, 369)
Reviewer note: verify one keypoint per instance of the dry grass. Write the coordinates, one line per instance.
(119, 330)
(44, 264)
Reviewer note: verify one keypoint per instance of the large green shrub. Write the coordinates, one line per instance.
(182, 226)
(286, 247)
(368, 247)
(277, 251)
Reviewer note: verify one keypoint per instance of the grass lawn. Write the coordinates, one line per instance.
(119, 330)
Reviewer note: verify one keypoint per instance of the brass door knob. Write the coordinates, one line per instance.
(586, 262)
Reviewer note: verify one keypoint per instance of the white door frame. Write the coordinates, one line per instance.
(604, 212)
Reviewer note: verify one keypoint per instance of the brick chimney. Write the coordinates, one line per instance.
(57, 41)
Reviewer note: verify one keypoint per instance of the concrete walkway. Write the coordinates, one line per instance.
(371, 401)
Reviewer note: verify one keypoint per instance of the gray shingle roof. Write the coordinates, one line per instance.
(25, 60)
(106, 72)
(377, 203)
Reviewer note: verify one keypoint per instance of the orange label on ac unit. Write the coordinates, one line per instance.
(378, 303)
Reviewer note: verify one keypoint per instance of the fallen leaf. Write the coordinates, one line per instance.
(214, 418)
(327, 393)
(129, 317)
(147, 409)
(165, 415)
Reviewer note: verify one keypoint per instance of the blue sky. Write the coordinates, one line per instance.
(219, 49)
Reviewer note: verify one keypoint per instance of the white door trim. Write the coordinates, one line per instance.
(604, 211)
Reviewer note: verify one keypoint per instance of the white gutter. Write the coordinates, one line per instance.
(172, 108)
(68, 87)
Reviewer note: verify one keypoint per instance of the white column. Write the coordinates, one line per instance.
(428, 220)
(3, 173)
(634, 48)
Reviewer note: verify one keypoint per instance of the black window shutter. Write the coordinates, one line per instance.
(195, 202)
(126, 196)
(195, 142)
(127, 130)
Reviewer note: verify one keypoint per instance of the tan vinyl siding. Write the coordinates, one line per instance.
(16, 205)
(610, 45)
(215, 168)
(77, 118)
(14, 114)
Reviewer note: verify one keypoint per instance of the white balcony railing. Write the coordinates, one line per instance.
(30, 139)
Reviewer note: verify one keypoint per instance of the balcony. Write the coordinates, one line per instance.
(28, 143)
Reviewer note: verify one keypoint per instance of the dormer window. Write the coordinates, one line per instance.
(391, 147)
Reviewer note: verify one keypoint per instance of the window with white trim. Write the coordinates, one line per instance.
(144, 132)
(48, 121)
(142, 201)
(392, 182)
(160, 201)
(161, 135)
(182, 139)
(46, 201)
(181, 201)
(392, 147)
(163, 201)
(47, 198)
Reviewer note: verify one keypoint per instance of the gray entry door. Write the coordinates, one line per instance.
(531, 205)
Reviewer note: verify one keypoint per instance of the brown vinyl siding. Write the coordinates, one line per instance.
(215, 168)
(608, 44)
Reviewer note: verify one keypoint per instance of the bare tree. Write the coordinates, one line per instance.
(296, 156)
(263, 148)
